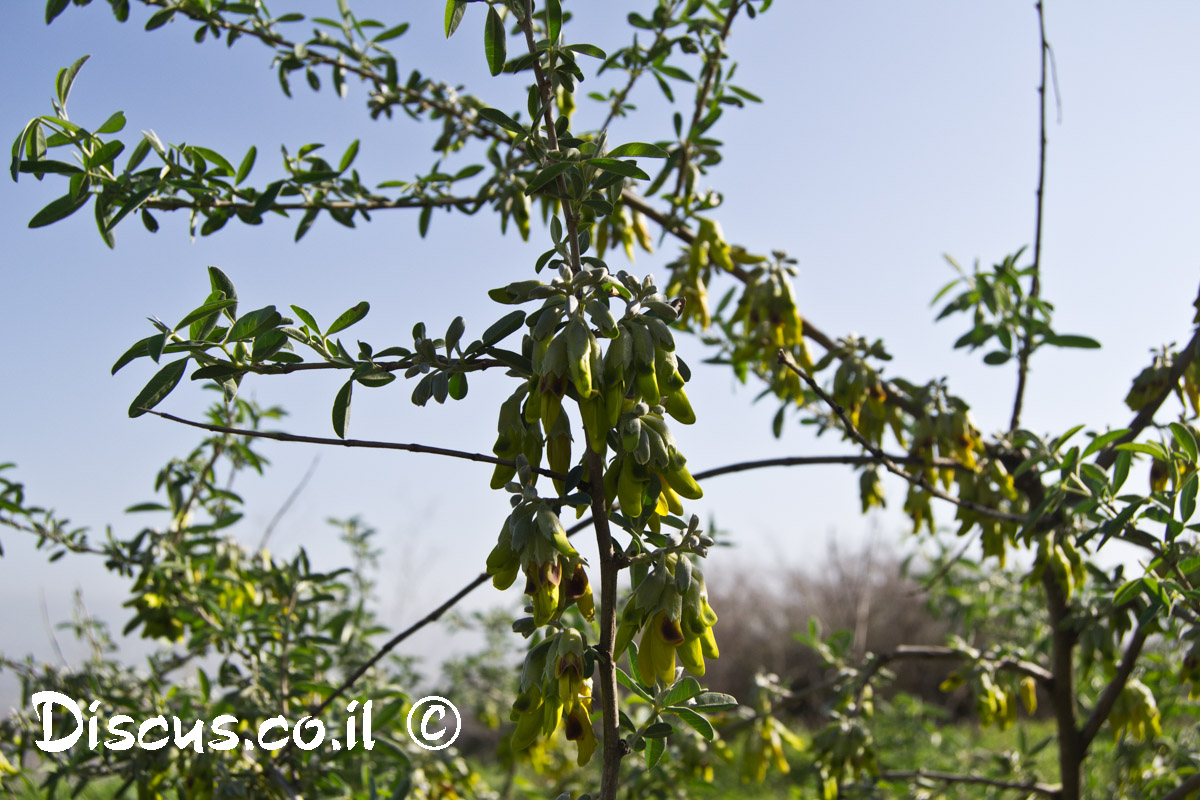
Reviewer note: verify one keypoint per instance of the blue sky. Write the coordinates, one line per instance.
(891, 134)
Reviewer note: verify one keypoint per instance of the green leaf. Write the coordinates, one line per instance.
(588, 50)
(626, 169)
(1121, 469)
(264, 201)
(348, 156)
(458, 385)
(113, 124)
(307, 318)
(138, 350)
(1072, 340)
(1127, 592)
(54, 8)
(495, 45)
(66, 78)
(208, 309)
(253, 323)
(659, 730)
(1103, 440)
(554, 19)
(1187, 498)
(246, 165)
(341, 409)
(696, 722)
(1185, 439)
(997, 357)
(454, 14)
(546, 176)
(58, 209)
(349, 317)
(503, 327)
(158, 388)
(503, 120)
(454, 334)
(392, 33)
(220, 282)
(629, 683)
(715, 701)
(683, 691)
(654, 751)
(1147, 448)
(636, 149)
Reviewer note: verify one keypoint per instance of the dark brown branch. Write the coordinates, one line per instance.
(1112, 691)
(1035, 285)
(938, 653)
(1049, 790)
(1185, 789)
(291, 498)
(919, 481)
(180, 204)
(1071, 751)
(802, 461)
(1147, 412)
(607, 671)
(364, 443)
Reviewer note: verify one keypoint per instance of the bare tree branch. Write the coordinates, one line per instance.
(938, 653)
(364, 443)
(1050, 790)
(1185, 789)
(1110, 693)
(1035, 285)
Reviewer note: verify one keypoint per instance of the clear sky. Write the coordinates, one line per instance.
(892, 133)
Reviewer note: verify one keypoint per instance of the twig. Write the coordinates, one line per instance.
(291, 498)
(606, 670)
(49, 627)
(1185, 789)
(159, 203)
(1050, 790)
(364, 443)
(1035, 285)
(939, 653)
(712, 60)
(1071, 751)
(1110, 693)
(1147, 412)
(432, 616)
(801, 461)
(919, 481)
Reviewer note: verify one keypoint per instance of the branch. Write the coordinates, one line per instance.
(1050, 790)
(712, 60)
(1185, 789)
(919, 481)
(1146, 414)
(1110, 693)
(432, 616)
(936, 653)
(802, 461)
(1035, 286)
(199, 203)
(1071, 751)
(366, 443)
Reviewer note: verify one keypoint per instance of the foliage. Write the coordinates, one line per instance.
(595, 377)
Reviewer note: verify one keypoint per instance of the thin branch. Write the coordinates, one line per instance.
(291, 498)
(919, 481)
(431, 617)
(802, 461)
(1147, 412)
(712, 60)
(938, 653)
(180, 204)
(1050, 790)
(1112, 691)
(1185, 789)
(1035, 286)
(614, 747)
(364, 443)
